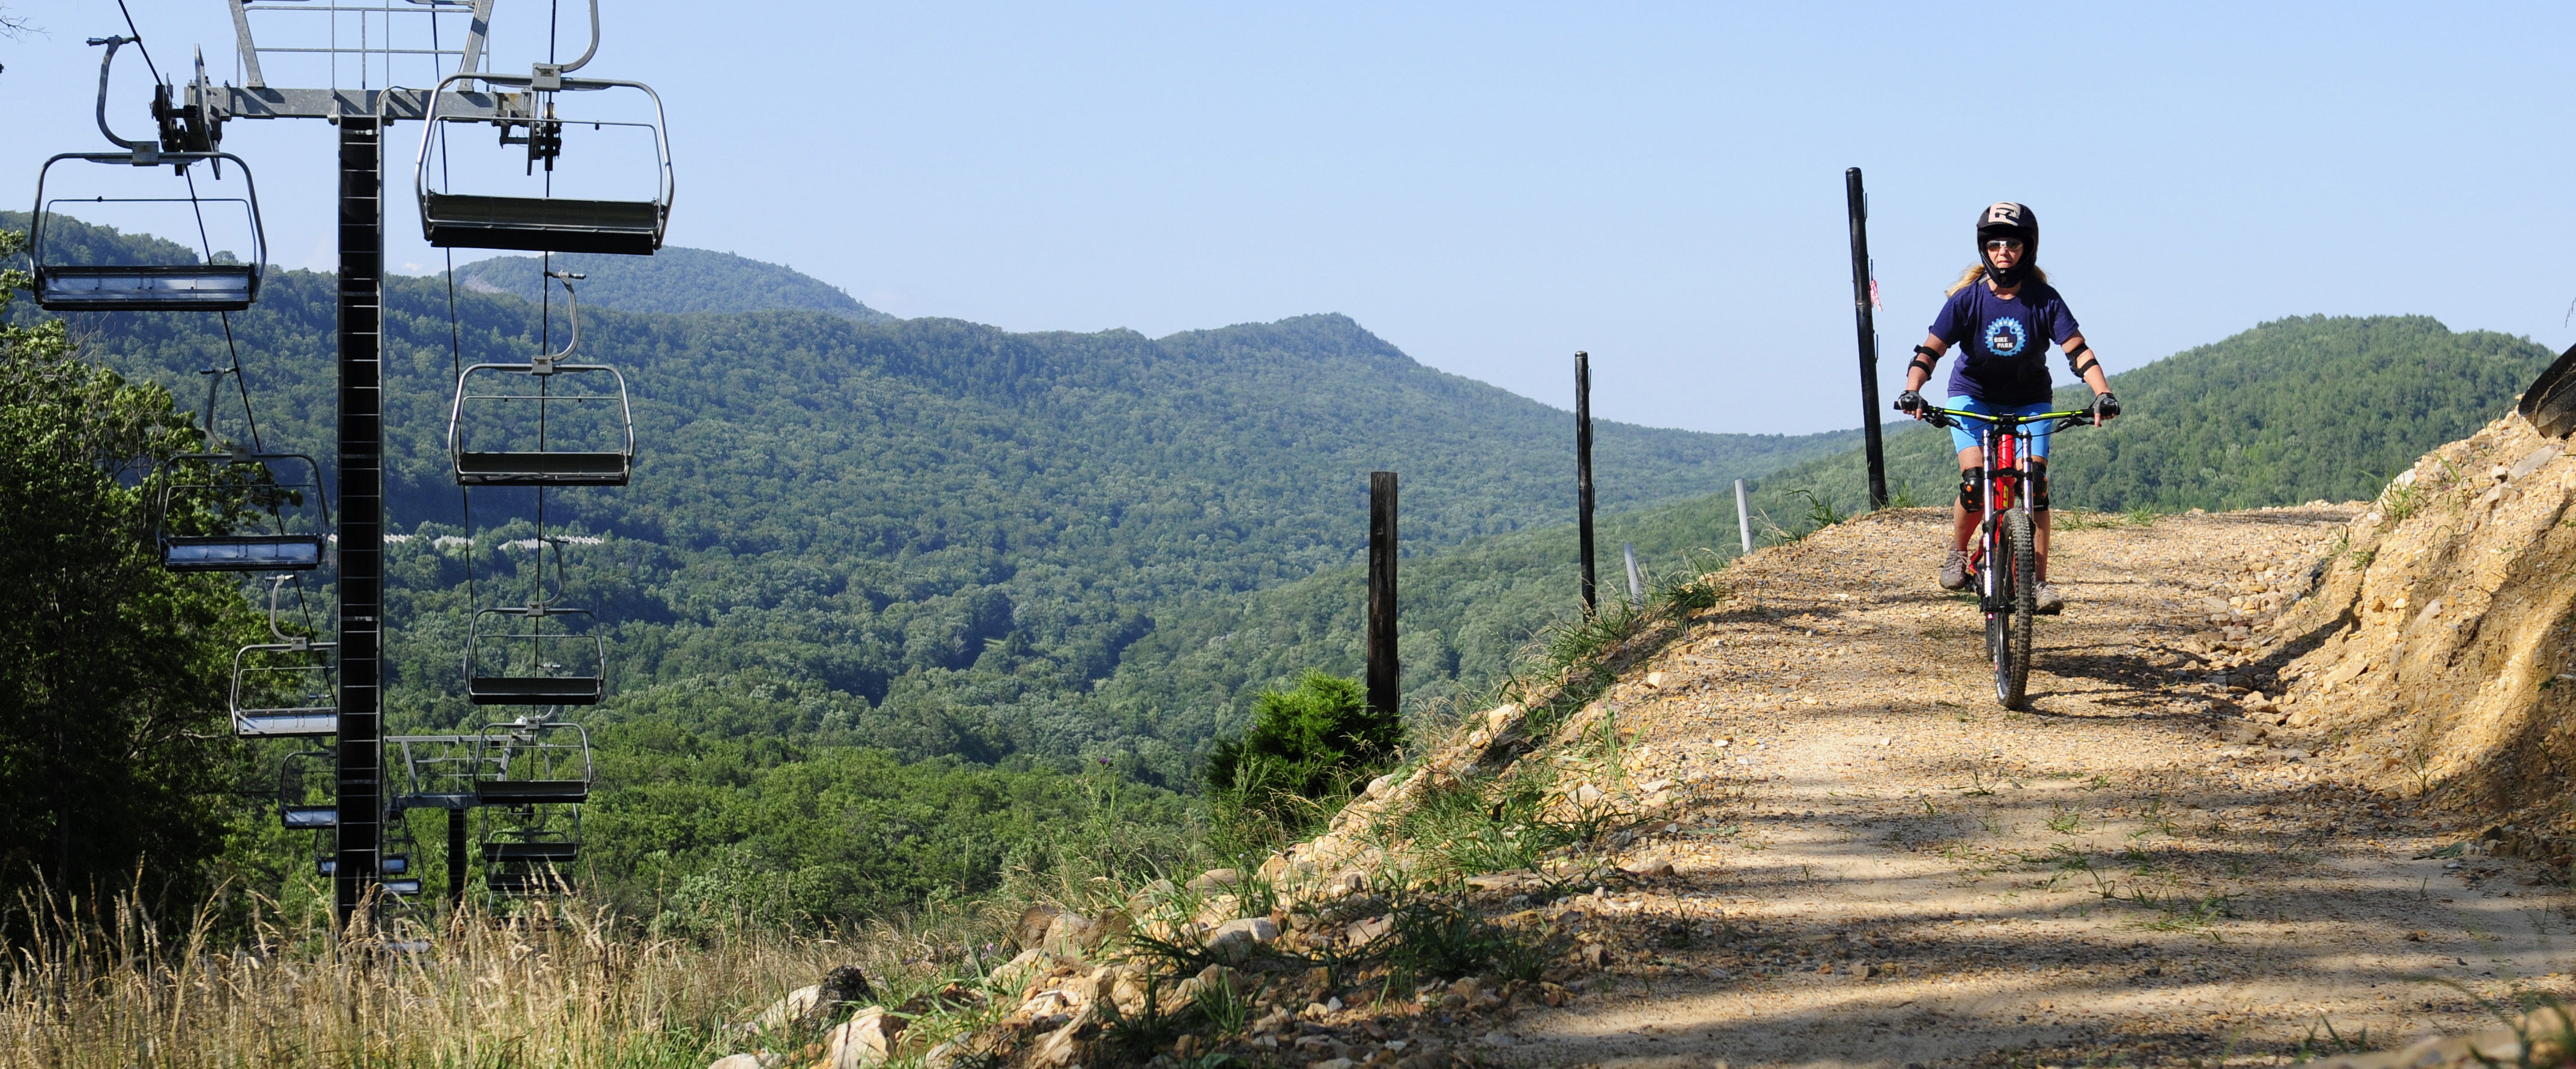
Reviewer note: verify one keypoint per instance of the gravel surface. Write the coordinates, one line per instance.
(1886, 868)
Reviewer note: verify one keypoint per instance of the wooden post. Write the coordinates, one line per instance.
(1385, 674)
(1583, 473)
(456, 862)
(1868, 325)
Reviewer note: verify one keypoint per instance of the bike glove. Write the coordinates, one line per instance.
(2105, 405)
(1909, 401)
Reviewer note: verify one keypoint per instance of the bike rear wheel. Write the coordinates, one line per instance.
(2008, 631)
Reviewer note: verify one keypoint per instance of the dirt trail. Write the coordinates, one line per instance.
(1909, 875)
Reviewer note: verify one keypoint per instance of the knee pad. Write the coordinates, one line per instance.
(2038, 485)
(1969, 498)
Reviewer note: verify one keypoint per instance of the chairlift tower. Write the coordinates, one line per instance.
(191, 119)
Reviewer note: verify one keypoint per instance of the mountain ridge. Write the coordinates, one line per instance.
(675, 280)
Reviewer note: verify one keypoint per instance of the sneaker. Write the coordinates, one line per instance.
(1954, 572)
(2050, 601)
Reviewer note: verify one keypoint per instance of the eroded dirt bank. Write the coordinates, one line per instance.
(2150, 865)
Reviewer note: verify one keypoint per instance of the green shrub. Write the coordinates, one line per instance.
(1307, 747)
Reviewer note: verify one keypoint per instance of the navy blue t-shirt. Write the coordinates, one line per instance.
(2003, 342)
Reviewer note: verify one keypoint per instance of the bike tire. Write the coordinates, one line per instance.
(2021, 604)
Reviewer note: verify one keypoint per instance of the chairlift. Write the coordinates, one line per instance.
(288, 688)
(526, 110)
(535, 655)
(186, 138)
(521, 419)
(296, 809)
(526, 847)
(436, 771)
(532, 760)
(170, 285)
(238, 510)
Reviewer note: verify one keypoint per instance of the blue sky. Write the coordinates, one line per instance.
(1492, 187)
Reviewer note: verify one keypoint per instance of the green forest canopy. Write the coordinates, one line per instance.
(2293, 410)
(929, 560)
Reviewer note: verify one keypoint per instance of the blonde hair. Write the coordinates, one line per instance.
(1978, 271)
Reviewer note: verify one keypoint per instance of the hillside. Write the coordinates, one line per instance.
(2259, 412)
(2301, 409)
(928, 537)
(674, 280)
(1783, 821)
(864, 508)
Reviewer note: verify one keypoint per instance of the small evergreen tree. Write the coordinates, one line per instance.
(1307, 746)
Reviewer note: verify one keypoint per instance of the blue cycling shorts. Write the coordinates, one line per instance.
(1970, 434)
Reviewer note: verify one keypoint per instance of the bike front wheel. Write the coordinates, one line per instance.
(2017, 597)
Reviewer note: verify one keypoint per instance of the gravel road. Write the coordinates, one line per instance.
(1888, 869)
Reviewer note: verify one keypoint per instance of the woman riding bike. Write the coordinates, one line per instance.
(2005, 313)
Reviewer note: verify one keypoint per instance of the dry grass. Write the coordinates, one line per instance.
(566, 987)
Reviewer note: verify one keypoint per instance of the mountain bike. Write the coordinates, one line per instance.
(2008, 593)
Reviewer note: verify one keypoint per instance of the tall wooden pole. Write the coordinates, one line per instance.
(1385, 674)
(1868, 326)
(456, 861)
(362, 512)
(1583, 473)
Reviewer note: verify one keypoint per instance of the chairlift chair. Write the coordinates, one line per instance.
(296, 809)
(504, 444)
(526, 847)
(436, 771)
(291, 537)
(63, 286)
(532, 761)
(534, 655)
(528, 105)
(288, 688)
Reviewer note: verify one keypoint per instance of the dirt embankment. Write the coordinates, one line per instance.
(2439, 656)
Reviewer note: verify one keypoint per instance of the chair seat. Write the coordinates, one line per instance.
(542, 469)
(531, 853)
(388, 865)
(173, 288)
(287, 723)
(541, 224)
(241, 553)
(302, 817)
(514, 690)
(515, 791)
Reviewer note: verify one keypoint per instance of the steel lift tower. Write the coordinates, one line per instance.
(463, 92)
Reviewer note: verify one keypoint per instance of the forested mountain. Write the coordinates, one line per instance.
(925, 534)
(880, 583)
(2293, 410)
(673, 280)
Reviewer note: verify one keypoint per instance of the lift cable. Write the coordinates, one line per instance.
(232, 346)
(139, 46)
(456, 364)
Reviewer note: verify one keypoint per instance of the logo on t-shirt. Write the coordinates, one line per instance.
(2004, 337)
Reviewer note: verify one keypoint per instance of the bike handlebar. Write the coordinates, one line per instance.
(1949, 417)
